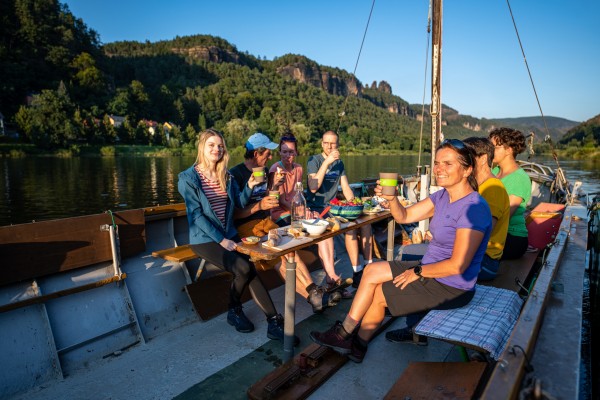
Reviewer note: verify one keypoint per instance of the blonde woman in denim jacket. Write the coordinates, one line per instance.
(210, 196)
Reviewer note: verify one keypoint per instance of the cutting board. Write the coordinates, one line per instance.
(288, 242)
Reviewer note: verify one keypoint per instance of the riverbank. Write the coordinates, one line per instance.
(17, 150)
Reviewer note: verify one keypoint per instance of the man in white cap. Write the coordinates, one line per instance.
(256, 216)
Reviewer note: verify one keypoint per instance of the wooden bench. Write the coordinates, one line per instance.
(36, 250)
(514, 274)
(437, 380)
(209, 295)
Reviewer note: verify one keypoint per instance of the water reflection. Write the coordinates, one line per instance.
(41, 188)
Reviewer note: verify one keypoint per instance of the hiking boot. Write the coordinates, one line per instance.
(335, 338)
(406, 335)
(356, 277)
(275, 329)
(319, 299)
(357, 351)
(237, 318)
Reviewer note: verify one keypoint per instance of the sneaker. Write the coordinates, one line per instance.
(275, 329)
(340, 286)
(406, 335)
(357, 351)
(342, 343)
(319, 299)
(356, 277)
(237, 318)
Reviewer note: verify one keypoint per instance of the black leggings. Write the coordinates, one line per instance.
(244, 275)
(515, 247)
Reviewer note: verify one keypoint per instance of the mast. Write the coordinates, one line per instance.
(436, 82)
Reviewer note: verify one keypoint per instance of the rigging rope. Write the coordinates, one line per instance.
(343, 113)
(554, 155)
(425, 84)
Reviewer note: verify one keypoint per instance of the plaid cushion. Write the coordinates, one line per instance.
(485, 323)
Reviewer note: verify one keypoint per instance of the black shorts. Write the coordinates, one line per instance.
(421, 296)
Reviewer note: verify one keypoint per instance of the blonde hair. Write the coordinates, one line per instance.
(221, 167)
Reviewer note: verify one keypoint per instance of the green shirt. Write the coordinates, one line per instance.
(518, 184)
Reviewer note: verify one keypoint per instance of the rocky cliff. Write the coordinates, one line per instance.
(322, 79)
(209, 53)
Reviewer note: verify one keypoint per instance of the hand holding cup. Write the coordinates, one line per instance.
(259, 174)
(388, 182)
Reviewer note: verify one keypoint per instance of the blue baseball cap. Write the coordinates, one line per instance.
(259, 140)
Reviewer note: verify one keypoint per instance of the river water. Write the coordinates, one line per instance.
(42, 188)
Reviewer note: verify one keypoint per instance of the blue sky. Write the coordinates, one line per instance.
(484, 74)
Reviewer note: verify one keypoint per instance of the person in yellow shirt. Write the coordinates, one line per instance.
(494, 192)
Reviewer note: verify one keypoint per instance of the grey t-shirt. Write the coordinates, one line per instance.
(318, 201)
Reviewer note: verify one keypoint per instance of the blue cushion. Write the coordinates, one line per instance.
(485, 323)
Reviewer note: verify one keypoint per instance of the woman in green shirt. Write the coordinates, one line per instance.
(508, 143)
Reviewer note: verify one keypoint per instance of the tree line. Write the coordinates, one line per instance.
(61, 85)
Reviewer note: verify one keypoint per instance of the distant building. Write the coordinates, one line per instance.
(116, 121)
(167, 126)
(151, 125)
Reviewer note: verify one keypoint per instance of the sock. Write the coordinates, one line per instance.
(349, 325)
(357, 268)
(369, 262)
(310, 287)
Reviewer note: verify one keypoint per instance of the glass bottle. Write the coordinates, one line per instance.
(298, 206)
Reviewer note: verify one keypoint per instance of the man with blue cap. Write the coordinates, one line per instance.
(255, 218)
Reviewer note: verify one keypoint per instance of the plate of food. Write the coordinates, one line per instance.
(372, 206)
(372, 210)
(250, 240)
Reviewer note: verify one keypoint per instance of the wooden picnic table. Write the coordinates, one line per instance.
(258, 252)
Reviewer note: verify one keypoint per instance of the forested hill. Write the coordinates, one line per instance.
(60, 86)
(586, 134)
(557, 127)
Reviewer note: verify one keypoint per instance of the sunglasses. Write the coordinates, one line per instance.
(457, 144)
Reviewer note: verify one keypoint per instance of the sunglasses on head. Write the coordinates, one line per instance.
(458, 144)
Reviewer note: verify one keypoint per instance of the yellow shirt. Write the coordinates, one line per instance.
(494, 192)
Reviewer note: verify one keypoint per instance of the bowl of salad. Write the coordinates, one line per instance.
(348, 209)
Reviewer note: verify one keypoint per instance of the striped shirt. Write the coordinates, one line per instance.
(215, 195)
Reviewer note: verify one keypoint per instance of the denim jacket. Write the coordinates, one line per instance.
(204, 226)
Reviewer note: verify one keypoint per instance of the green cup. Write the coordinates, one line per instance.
(259, 174)
(388, 182)
(274, 193)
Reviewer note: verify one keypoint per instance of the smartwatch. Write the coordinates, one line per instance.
(417, 269)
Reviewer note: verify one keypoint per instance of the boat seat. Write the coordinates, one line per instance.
(437, 380)
(512, 274)
(181, 254)
(178, 254)
(485, 324)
